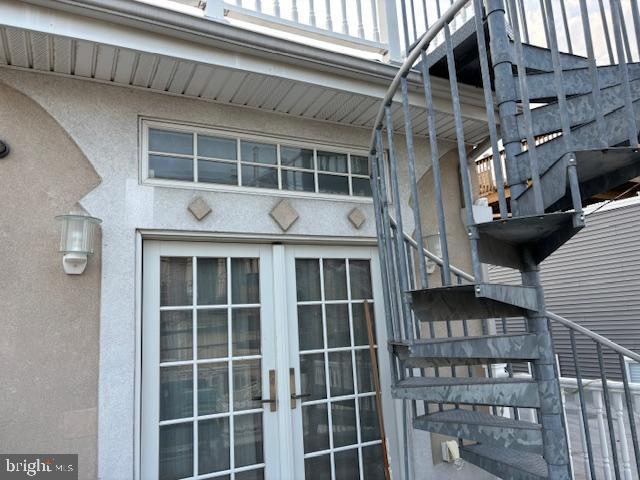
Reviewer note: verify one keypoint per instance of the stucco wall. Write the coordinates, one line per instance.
(49, 321)
(104, 121)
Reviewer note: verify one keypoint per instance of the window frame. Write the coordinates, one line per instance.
(239, 135)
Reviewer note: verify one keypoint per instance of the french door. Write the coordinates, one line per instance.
(256, 363)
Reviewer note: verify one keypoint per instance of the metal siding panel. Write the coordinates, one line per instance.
(231, 86)
(145, 69)
(215, 83)
(84, 59)
(262, 93)
(249, 86)
(62, 53)
(105, 58)
(125, 65)
(40, 50)
(17, 43)
(201, 76)
(181, 77)
(292, 97)
(163, 74)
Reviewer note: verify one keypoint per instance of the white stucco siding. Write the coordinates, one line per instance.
(104, 121)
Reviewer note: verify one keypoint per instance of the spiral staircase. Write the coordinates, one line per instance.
(590, 108)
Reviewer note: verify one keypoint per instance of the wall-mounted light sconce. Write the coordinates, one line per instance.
(4, 149)
(435, 247)
(77, 236)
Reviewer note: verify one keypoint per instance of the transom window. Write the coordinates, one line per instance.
(207, 157)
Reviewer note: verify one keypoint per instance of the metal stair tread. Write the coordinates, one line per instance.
(471, 417)
(473, 350)
(421, 382)
(497, 460)
(500, 241)
(472, 301)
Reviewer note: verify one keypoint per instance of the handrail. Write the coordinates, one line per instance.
(552, 316)
(424, 42)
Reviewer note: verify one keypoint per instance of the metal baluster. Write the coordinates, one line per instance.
(488, 101)
(607, 406)
(312, 13)
(445, 271)
(602, 431)
(413, 20)
(622, 435)
(345, 22)
(635, 11)
(616, 14)
(583, 405)
(528, 121)
(605, 27)
(376, 22)
(525, 26)
(258, 5)
(399, 226)
(543, 13)
(328, 20)
(462, 155)
(565, 22)
(359, 15)
(276, 8)
(413, 182)
(294, 10)
(630, 412)
(387, 231)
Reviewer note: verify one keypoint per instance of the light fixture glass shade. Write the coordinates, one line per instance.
(77, 233)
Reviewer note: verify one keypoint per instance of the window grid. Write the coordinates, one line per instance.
(195, 362)
(239, 162)
(326, 350)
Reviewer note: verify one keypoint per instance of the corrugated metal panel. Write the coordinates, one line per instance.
(594, 280)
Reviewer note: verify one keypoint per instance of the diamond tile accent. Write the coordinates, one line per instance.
(356, 217)
(284, 215)
(199, 208)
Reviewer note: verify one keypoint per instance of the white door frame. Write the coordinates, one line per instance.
(279, 255)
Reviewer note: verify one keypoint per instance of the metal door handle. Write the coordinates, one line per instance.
(292, 387)
(273, 401)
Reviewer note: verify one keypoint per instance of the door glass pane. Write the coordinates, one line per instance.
(176, 281)
(176, 392)
(338, 332)
(313, 381)
(245, 280)
(212, 281)
(335, 279)
(248, 439)
(251, 475)
(363, 371)
(308, 279)
(176, 335)
(176, 451)
(340, 374)
(360, 273)
(317, 468)
(213, 445)
(315, 427)
(245, 326)
(347, 467)
(212, 333)
(369, 428)
(310, 327)
(343, 416)
(360, 333)
(213, 388)
(372, 462)
(247, 384)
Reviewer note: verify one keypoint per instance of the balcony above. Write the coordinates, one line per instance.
(179, 49)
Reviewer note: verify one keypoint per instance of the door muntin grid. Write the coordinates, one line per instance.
(210, 360)
(341, 438)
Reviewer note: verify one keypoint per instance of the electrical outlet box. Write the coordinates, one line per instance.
(450, 451)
